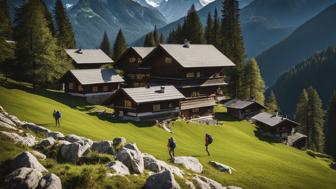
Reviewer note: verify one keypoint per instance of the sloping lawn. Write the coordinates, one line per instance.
(258, 164)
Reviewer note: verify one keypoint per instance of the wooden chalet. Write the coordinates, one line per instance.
(88, 58)
(130, 62)
(94, 84)
(274, 125)
(297, 140)
(147, 103)
(197, 71)
(243, 109)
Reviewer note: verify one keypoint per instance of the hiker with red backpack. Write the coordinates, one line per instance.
(208, 141)
(171, 147)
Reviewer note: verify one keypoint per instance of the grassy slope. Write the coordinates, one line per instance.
(259, 164)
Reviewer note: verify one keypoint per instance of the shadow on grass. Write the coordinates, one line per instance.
(223, 116)
(261, 136)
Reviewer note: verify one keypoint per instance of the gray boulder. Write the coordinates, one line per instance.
(39, 155)
(56, 135)
(26, 159)
(46, 142)
(5, 119)
(7, 126)
(118, 168)
(190, 163)
(105, 147)
(28, 140)
(23, 178)
(155, 165)
(131, 156)
(35, 128)
(81, 140)
(50, 181)
(62, 142)
(221, 167)
(190, 184)
(73, 151)
(206, 183)
(162, 180)
(15, 120)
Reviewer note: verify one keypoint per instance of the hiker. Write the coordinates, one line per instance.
(58, 116)
(54, 115)
(171, 146)
(208, 141)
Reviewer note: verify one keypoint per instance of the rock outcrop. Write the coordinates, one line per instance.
(26, 159)
(36, 128)
(206, 183)
(190, 163)
(221, 167)
(56, 135)
(155, 165)
(28, 140)
(73, 151)
(24, 177)
(118, 168)
(104, 147)
(50, 181)
(162, 180)
(46, 142)
(80, 140)
(131, 156)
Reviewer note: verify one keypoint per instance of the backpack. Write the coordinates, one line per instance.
(172, 143)
(210, 139)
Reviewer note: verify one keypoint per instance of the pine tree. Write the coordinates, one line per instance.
(36, 47)
(6, 56)
(301, 112)
(156, 36)
(331, 127)
(209, 30)
(120, 45)
(216, 30)
(232, 44)
(254, 85)
(192, 27)
(105, 44)
(171, 37)
(315, 121)
(65, 34)
(5, 21)
(149, 40)
(162, 41)
(48, 16)
(272, 103)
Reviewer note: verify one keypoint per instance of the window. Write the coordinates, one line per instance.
(140, 76)
(127, 104)
(139, 60)
(156, 107)
(80, 88)
(71, 86)
(190, 75)
(131, 76)
(170, 105)
(195, 110)
(132, 60)
(94, 89)
(105, 88)
(168, 60)
(195, 94)
(198, 74)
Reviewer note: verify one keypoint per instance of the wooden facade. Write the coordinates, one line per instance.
(130, 62)
(126, 107)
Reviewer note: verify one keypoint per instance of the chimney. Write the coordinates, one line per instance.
(162, 89)
(186, 44)
(79, 51)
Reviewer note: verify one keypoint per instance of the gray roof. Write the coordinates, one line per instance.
(292, 139)
(190, 104)
(89, 56)
(143, 51)
(240, 104)
(153, 94)
(271, 119)
(197, 55)
(96, 76)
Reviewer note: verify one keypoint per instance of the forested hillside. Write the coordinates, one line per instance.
(318, 71)
(316, 34)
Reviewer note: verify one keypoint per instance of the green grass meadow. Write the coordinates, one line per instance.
(258, 164)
